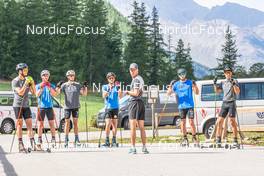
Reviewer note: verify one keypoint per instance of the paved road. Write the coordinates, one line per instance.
(163, 160)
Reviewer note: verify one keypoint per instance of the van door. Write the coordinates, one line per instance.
(252, 95)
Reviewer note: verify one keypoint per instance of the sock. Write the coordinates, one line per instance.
(20, 140)
(235, 139)
(40, 139)
(185, 136)
(194, 137)
(53, 138)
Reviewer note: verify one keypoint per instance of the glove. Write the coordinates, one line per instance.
(215, 80)
(29, 80)
(85, 84)
(233, 82)
(172, 82)
(59, 84)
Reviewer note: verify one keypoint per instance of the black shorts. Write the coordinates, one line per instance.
(185, 112)
(71, 112)
(22, 113)
(136, 110)
(228, 108)
(111, 114)
(45, 112)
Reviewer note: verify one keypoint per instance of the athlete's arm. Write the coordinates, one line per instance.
(236, 87)
(217, 88)
(134, 93)
(195, 88)
(120, 93)
(169, 91)
(84, 91)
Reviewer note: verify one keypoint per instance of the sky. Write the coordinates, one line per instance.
(256, 4)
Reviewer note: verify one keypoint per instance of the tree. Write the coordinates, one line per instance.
(157, 52)
(137, 49)
(229, 51)
(183, 59)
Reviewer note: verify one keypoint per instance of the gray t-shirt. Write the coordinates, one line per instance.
(137, 83)
(228, 91)
(18, 83)
(72, 94)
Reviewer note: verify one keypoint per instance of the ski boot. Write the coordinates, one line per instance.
(185, 142)
(21, 148)
(145, 150)
(114, 143)
(53, 143)
(132, 150)
(107, 143)
(195, 141)
(218, 143)
(33, 145)
(66, 144)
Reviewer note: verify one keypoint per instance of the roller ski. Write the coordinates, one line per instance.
(184, 142)
(114, 143)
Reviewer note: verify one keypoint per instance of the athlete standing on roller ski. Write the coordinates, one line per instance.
(22, 85)
(184, 89)
(45, 92)
(72, 91)
(230, 89)
(111, 94)
(136, 108)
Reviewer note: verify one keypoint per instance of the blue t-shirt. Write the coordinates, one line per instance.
(184, 93)
(111, 102)
(45, 99)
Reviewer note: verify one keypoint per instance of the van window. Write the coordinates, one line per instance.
(208, 93)
(262, 90)
(6, 100)
(252, 91)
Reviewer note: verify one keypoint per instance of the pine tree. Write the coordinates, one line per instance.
(137, 49)
(229, 51)
(157, 52)
(183, 59)
(257, 70)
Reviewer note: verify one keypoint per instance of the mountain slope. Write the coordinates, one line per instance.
(236, 14)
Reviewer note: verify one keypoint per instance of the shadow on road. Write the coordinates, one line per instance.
(7, 167)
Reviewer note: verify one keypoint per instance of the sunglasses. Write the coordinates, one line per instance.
(182, 74)
(111, 78)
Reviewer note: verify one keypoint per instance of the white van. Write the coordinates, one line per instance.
(250, 105)
(8, 119)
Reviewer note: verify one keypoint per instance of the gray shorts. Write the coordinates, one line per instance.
(136, 110)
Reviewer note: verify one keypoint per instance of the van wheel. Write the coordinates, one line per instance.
(7, 126)
(177, 122)
(126, 124)
(62, 126)
(209, 128)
